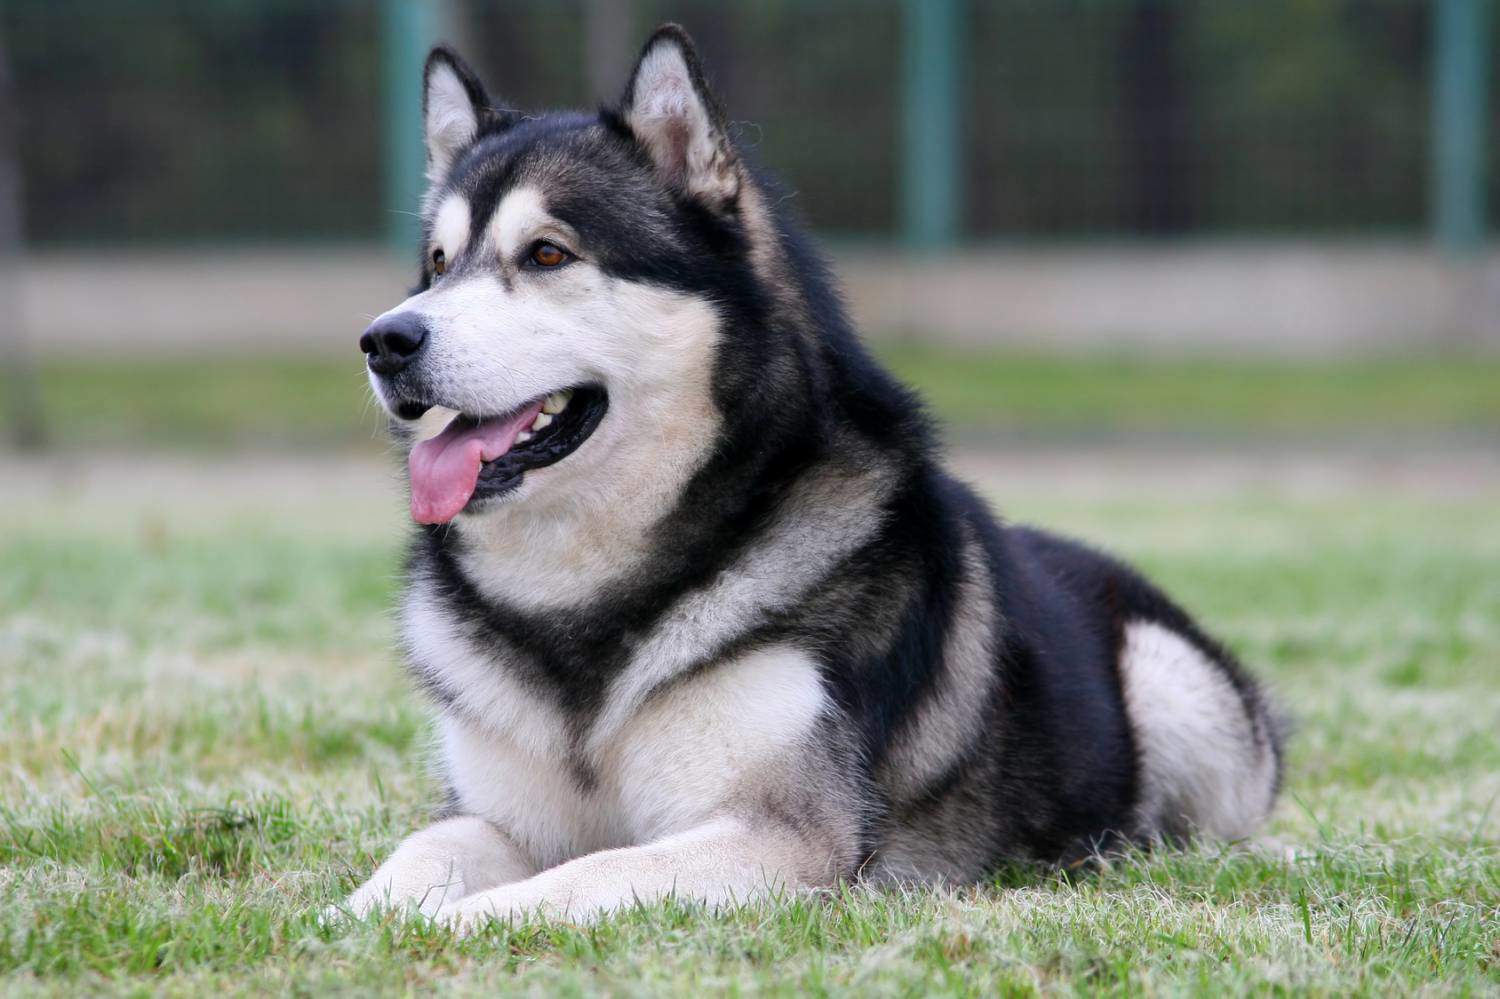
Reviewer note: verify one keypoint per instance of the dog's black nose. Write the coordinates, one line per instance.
(392, 341)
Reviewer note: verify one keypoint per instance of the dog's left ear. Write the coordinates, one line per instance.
(671, 112)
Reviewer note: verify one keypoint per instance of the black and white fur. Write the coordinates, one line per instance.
(750, 636)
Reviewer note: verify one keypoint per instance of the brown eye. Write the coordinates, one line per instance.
(439, 262)
(547, 255)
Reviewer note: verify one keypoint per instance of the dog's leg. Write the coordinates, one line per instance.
(725, 861)
(439, 865)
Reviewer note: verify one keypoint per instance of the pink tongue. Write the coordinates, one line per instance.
(445, 468)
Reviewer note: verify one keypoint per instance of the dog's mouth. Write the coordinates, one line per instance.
(475, 459)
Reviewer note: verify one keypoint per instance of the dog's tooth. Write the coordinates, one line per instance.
(542, 420)
(523, 437)
(557, 402)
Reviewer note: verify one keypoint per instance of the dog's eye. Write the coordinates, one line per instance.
(548, 255)
(439, 262)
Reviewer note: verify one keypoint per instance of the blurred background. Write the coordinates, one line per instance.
(1153, 220)
(1209, 283)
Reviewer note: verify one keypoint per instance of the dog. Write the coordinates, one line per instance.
(699, 609)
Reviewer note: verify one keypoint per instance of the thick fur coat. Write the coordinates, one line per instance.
(700, 610)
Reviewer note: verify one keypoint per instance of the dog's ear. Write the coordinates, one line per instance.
(669, 109)
(455, 110)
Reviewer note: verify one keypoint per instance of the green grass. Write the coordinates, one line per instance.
(1052, 395)
(204, 738)
(206, 403)
(209, 404)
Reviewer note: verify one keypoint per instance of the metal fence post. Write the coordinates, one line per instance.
(1460, 67)
(408, 28)
(931, 160)
(23, 397)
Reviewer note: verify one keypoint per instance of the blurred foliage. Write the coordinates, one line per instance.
(260, 403)
(172, 119)
(1198, 115)
(197, 119)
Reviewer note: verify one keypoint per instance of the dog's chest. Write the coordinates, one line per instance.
(661, 754)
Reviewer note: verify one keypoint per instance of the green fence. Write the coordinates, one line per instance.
(929, 121)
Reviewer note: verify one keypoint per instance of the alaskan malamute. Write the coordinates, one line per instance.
(699, 608)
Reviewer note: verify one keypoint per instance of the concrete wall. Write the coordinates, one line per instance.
(1247, 299)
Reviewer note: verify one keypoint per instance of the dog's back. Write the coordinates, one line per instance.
(1071, 706)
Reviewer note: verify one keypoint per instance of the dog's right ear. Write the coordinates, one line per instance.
(455, 110)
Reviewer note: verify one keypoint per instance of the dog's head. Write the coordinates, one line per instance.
(577, 268)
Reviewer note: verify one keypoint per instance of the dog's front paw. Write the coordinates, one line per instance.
(471, 914)
(355, 908)
(380, 894)
(331, 916)
(366, 902)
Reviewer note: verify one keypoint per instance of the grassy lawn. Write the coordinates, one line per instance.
(204, 738)
(209, 404)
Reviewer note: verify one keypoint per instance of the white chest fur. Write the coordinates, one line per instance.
(677, 758)
(668, 747)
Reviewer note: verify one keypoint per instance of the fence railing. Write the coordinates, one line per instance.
(927, 121)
